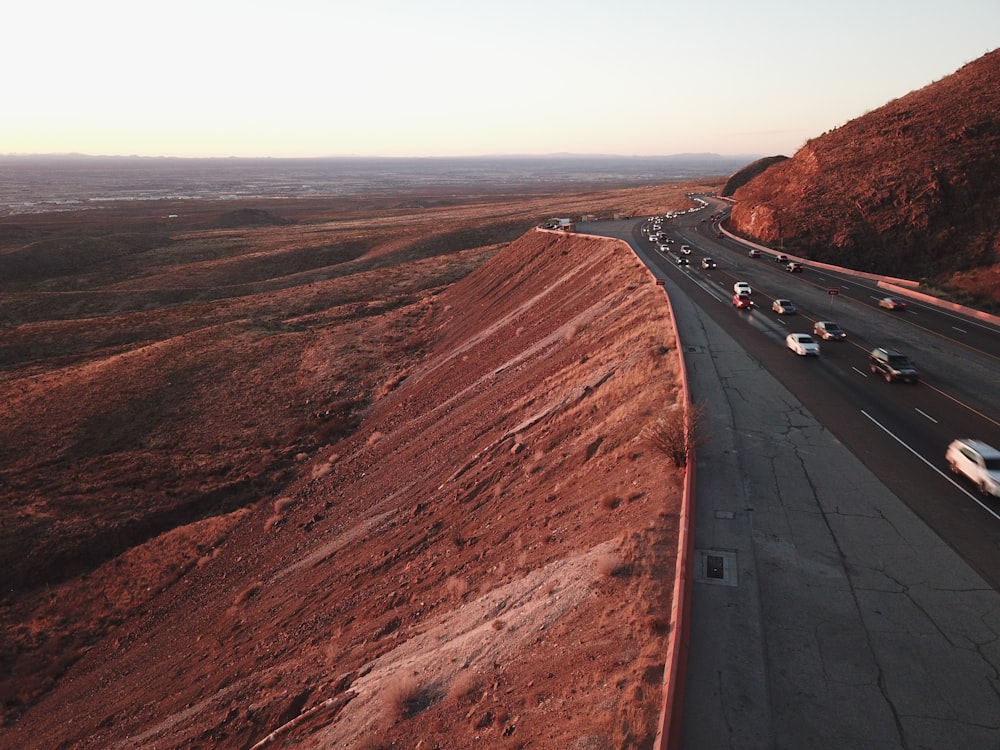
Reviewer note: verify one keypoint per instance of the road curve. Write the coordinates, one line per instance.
(826, 611)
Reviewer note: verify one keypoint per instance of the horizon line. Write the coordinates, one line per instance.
(549, 155)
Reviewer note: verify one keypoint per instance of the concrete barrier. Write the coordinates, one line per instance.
(675, 666)
(675, 669)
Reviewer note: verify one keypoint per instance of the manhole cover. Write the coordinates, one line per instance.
(716, 566)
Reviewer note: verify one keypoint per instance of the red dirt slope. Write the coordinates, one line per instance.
(485, 562)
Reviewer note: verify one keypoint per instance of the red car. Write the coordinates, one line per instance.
(742, 302)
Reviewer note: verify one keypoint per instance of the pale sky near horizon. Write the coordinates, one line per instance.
(460, 78)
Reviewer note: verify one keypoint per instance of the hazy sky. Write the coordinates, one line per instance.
(465, 77)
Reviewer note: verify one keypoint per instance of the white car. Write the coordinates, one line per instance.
(802, 344)
(978, 461)
(686, 249)
(742, 287)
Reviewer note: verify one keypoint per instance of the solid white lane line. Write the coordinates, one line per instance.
(957, 486)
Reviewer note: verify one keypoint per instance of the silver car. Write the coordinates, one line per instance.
(802, 344)
(978, 461)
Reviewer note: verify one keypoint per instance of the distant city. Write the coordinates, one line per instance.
(33, 184)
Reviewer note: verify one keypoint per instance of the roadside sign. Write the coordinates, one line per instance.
(661, 282)
(833, 292)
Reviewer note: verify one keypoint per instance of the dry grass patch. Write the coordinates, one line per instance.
(403, 697)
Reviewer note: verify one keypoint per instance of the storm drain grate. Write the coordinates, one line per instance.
(716, 566)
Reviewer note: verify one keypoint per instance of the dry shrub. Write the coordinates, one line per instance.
(456, 587)
(271, 522)
(635, 724)
(393, 383)
(676, 432)
(657, 624)
(208, 557)
(402, 697)
(610, 501)
(283, 503)
(612, 564)
(571, 331)
(321, 470)
(248, 593)
(280, 506)
(464, 687)
(532, 467)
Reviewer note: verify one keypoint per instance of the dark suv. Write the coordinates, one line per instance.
(892, 365)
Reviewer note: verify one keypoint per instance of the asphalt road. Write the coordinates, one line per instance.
(845, 590)
(899, 431)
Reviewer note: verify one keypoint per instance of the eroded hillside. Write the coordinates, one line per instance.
(383, 501)
(910, 189)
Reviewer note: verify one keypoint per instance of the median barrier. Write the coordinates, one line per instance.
(940, 303)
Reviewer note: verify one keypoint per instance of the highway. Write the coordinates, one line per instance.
(899, 431)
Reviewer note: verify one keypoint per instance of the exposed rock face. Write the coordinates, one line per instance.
(741, 178)
(912, 188)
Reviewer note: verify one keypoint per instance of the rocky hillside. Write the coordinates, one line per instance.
(350, 480)
(743, 176)
(910, 189)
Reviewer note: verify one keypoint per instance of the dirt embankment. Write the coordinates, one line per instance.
(483, 556)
